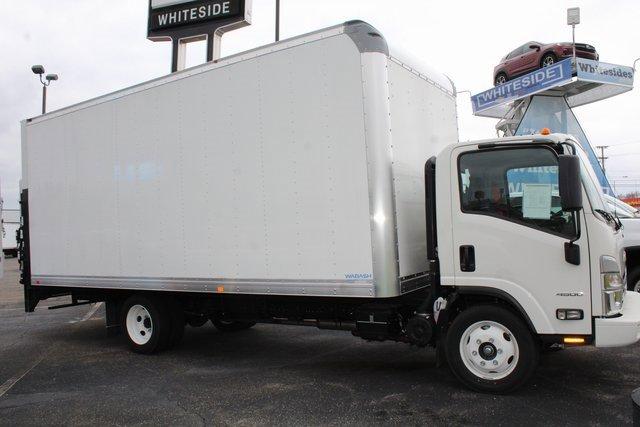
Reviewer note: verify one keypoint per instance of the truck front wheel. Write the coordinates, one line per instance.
(491, 350)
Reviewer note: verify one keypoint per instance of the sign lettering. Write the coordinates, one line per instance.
(193, 13)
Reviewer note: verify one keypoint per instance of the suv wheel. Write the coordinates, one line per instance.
(501, 79)
(548, 60)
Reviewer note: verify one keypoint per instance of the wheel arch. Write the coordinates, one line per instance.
(501, 71)
(477, 295)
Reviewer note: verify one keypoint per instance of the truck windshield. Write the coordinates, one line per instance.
(590, 180)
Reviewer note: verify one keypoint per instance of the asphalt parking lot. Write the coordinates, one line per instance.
(59, 367)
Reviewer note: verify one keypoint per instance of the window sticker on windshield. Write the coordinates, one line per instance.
(466, 180)
(536, 201)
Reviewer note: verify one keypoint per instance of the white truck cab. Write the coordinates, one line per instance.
(504, 231)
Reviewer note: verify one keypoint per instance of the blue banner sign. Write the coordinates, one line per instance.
(529, 84)
(602, 72)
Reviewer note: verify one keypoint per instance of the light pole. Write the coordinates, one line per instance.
(277, 20)
(39, 70)
(573, 19)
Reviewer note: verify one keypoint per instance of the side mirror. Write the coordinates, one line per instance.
(570, 183)
(534, 46)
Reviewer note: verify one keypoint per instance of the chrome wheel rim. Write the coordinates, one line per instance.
(139, 324)
(548, 61)
(489, 350)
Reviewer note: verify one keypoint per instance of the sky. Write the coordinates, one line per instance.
(100, 46)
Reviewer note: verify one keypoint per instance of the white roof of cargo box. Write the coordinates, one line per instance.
(365, 37)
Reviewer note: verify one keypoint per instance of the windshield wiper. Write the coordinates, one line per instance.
(617, 219)
(610, 218)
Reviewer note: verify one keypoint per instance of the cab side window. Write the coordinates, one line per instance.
(519, 185)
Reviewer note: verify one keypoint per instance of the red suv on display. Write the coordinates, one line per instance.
(534, 55)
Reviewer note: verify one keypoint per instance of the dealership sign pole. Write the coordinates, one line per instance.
(573, 19)
(186, 21)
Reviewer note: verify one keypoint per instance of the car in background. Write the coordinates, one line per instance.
(533, 55)
(630, 219)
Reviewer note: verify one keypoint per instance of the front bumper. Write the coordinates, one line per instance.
(581, 54)
(622, 330)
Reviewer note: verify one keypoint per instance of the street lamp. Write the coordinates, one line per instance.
(39, 70)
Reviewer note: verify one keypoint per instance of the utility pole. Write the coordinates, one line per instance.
(277, 20)
(602, 158)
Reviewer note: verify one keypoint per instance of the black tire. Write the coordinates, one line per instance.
(154, 338)
(231, 325)
(548, 57)
(528, 352)
(499, 79)
(177, 322)
(633, 279)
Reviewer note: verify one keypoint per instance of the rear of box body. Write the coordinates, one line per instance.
(295, 169)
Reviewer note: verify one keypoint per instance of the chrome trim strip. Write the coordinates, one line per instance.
(329, 288)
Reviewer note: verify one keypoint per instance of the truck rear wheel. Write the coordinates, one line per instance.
(147, 323)
(491, 350)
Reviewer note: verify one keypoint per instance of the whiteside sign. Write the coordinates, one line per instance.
(194, 12)
(171, 19)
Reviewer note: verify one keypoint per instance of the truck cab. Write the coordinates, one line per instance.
(523, 225)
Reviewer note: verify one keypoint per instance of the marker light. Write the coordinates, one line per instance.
(573, 340)
(545, 131)
(220, 289)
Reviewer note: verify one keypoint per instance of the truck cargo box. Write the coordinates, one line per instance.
(292, 169)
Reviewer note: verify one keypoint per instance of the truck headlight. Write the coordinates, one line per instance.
(613, 288)
(611, 281)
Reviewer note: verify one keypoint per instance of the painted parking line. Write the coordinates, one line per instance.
(4, 388)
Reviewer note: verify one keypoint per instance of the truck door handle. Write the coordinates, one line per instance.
(467, 258)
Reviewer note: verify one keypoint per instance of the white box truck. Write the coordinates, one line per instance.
(317, 181)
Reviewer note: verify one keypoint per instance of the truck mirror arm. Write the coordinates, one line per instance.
(571, 250)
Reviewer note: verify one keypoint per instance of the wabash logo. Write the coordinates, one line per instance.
(358, 276)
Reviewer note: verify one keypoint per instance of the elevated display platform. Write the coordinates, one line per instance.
(581, 83)
(545, 99)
